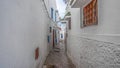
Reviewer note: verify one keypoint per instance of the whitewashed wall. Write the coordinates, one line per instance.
(23, 28)
(51, 4)
(96, 46)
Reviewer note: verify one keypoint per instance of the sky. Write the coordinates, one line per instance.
(61, 7)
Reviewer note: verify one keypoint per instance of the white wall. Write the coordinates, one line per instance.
(88, 47)
(72, 43)
(108, 22)
(108, 25)
(23, 27)
(51, 4)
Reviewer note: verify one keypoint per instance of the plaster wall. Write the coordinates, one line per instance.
(96, 46)
(23, 28)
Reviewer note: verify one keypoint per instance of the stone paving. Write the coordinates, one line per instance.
(58, 58)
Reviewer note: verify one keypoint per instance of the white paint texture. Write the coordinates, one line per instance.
(51, 4)
(23, 28)
(84, 44)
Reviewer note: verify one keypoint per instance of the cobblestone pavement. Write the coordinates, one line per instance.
(58, 58)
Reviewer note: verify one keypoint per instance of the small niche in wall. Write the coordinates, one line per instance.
(90, 14)
(36, 53)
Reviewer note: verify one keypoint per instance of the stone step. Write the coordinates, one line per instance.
(57, 49)
(49, 66)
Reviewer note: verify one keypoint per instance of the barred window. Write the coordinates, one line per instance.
(90, 14)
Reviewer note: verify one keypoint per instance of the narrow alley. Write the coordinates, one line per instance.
(59, 33)
(58, 58)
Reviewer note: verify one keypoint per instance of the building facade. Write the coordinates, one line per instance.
(24, 28)
(52, 9)
(94, 45)
(54, 15)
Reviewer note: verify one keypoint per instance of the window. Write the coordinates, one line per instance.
(55, 15)
(90, 14)
(50, 29)
(48, 39)
(69, 23)
(52, 13)
(61, 35)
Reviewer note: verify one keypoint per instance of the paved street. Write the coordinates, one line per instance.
(58, 58)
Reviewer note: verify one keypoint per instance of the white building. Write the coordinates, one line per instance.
(54, 15)
(52, 9)
(94, 46)
(24, 26)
